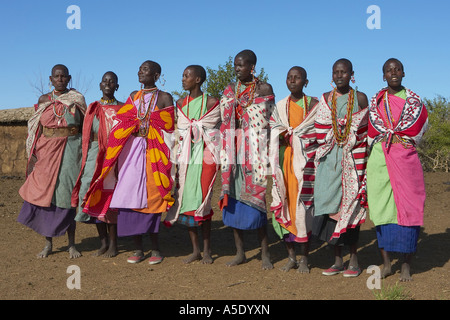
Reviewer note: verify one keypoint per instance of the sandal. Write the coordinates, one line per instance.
(155, 260)
(352, 272)
(333, 270)
(135, 259)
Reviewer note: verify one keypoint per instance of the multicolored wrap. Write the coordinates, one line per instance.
(127, 123)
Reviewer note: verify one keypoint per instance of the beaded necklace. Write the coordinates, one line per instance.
(108, 102)
(241, 109)
(251, 95)
(388, 112)
(304, 107)
(201, 110)
(390, 119)
(55, 102)
(339, 135)
(143, 112)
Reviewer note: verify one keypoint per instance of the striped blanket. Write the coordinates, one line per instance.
(304, 147)
(252, 154)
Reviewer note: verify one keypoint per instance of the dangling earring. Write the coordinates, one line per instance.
(162, 80)
(50, 86)
(353, 79)
(142, 86)
(331, 83)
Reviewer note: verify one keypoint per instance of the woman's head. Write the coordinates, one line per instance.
(393, 72)
(149, 72)
(244, 65)
(60, 77)
(342, 73)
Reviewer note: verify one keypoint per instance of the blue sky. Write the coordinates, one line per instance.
(120, 35)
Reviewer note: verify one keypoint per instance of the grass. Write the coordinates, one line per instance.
(394, 292)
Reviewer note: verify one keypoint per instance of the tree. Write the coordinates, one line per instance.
(217, 80)
(434, 149)
(41, 85)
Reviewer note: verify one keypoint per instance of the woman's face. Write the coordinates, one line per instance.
(109, 84)
(243, 69)
(342, 74)
(393, 74)
(189, 80)
(295, 81)
(60, 79)
(146, 75)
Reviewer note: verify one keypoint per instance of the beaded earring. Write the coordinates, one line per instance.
(353, 79)
(162, 80)
(331, 83)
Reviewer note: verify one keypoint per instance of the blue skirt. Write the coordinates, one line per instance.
(239, 215)
(395, 238)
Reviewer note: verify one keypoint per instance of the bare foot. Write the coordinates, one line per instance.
(238, 259)
(289, 265)
(74, 253)
(111, 252)
(45, 252)
(405, 274)
(193, 257)
(207, 259)
(100, 251)
(266, 263)
(303, 265)
(386, 271)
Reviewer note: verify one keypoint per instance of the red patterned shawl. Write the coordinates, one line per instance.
(255, 133)
(95, 109)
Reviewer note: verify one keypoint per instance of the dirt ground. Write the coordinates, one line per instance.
(24, 277)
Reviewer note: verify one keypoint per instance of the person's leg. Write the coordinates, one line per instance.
(73, 252)
(138, 255)
(196, 253)
(338, 265)
(47, 248)
(240, 252)
(405, 274)
(103, 236)
(112, 238)
(353, 256)
(206, 233)
(156, 256)
(353, 269)
(303, 261)
(265, 254)
(292, 262)
(386, 264)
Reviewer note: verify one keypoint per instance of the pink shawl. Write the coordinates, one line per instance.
(402, 161)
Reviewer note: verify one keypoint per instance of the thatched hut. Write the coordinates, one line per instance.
(13, 133)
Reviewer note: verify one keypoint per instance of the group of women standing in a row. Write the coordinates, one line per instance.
(331, 160)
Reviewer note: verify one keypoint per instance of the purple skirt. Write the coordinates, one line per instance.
(47, 221)
(132, 223)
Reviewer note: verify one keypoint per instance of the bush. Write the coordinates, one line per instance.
(434, 149)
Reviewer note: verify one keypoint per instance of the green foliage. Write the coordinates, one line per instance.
(218, 79)
(434, 150)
